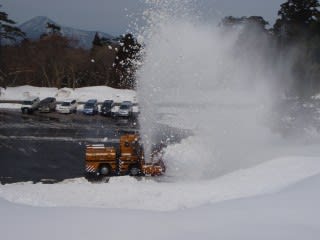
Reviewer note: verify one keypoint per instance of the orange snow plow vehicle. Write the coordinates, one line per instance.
(102, 160)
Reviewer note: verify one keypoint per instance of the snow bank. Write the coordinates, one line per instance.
(23, 92)
(100, 93)
(287, 215)
(149, 194)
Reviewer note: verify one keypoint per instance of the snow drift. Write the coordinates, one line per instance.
(148, 194)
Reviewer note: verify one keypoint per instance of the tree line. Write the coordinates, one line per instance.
(55, 61)
(293, 40)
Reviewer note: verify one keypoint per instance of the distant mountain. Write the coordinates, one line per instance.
(37, 26)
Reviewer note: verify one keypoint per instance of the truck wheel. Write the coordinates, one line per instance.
(134, 171)
(104, 170)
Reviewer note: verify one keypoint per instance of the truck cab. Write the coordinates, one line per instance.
(131, 155)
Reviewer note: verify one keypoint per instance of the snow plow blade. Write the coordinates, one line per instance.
(153, 169)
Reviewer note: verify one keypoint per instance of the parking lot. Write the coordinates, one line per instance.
(49, 147)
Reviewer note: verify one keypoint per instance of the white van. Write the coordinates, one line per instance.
(68, 106)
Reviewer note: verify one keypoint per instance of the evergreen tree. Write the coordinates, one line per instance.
(297, 19)
(10, 32)
(97, 40)
(298, 27)
(124, 66)
(7, 28)
(256, 22)
(231, 22)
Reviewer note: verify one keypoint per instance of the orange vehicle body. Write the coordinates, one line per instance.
(105, 161)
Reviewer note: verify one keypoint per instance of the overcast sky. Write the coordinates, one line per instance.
(110, 15)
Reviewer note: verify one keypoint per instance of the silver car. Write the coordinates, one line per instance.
(30, 104)
(125, 109)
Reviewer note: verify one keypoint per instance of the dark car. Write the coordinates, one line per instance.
(48, 104)
(106, 108)
(90, 107)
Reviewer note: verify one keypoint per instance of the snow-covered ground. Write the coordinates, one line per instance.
(274, 199)
(164, 195)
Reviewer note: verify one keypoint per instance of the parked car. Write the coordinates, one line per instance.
(48, 104)
(68, 106)
(106, 108)
(90, 107)
(30, 105)
(125, 109)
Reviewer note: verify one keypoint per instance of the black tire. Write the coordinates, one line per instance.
(134, 171)
(105, 170)
(90, 176)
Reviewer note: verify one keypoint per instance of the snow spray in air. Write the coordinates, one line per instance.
(195, 75)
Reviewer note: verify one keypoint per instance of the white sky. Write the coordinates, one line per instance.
(110, 15)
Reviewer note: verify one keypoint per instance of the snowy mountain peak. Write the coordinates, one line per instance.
(37, 26)
(36, 22)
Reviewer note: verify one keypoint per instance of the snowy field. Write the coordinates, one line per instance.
(273, 199)
(282, 205)
(278, 216)
(162, 195)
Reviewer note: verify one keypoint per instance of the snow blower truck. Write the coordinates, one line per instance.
(129, 159)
